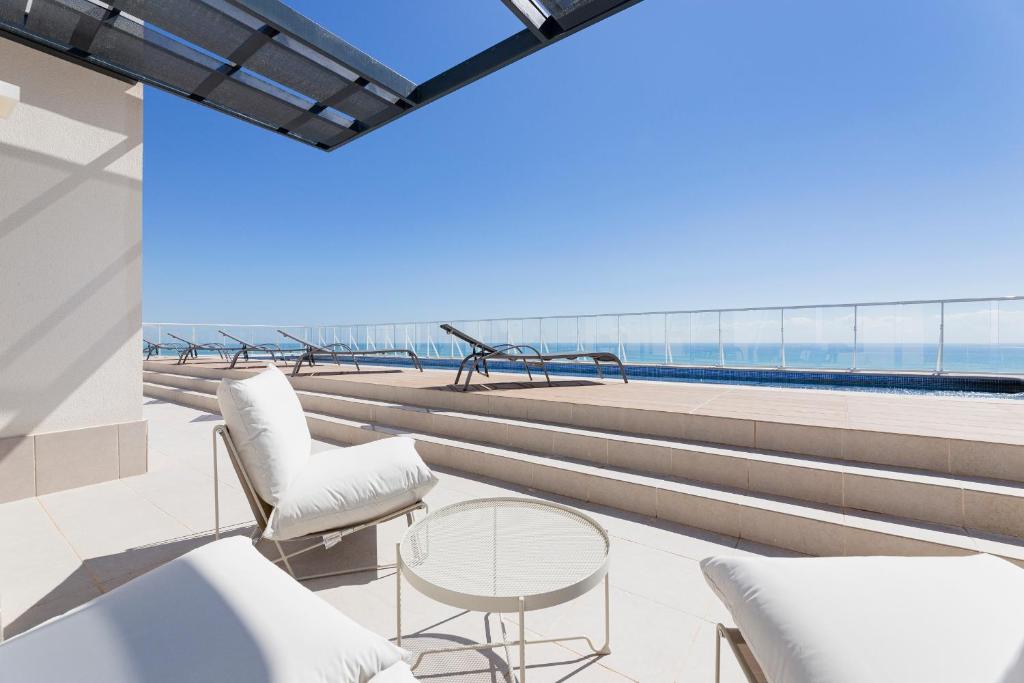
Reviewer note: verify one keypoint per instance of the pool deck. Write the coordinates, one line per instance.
(997, 420)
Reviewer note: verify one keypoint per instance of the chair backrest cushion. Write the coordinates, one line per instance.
(268, 428)
(857, 619)
(218, 614)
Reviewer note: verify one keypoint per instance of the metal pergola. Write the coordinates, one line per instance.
(265, 63)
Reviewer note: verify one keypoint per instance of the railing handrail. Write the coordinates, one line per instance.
(1015, 297)
(688, 311)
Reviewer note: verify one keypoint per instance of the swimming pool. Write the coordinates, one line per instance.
(1003, 386)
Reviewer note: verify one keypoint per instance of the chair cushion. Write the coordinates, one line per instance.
(219, 613)
(396, 673)
(877, 619)
(268, 428)
(342, 487)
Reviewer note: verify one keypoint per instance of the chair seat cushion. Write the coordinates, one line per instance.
(268, 427)
(343, 487)
(219, 613)
(396, 673)
(877, 619)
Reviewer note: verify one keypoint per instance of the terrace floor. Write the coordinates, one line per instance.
(63, 549)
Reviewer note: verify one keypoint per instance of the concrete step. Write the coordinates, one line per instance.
(868, 498)
(934, 454)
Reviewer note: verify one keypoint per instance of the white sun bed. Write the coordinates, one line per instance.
(873, 619)
(217, 614)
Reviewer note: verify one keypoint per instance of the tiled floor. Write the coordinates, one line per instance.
(62, 549)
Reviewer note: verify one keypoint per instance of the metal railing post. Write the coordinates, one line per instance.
(942, 336)
(618, 337)
(853, 364)
(721, 346)
(668, 349)
(782, 336)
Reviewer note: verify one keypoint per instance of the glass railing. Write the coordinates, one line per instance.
(954, 335)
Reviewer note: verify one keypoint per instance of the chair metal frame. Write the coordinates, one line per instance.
(311, 350)
(262, 510)
(480, 353)
(748, 665)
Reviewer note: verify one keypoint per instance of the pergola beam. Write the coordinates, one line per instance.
(286, 20)
(529, 14)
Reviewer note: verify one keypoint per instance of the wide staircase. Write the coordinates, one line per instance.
(893, 493)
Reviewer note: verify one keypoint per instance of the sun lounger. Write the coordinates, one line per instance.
(337, 351)
(297, 495)
(218, 614)
(245, 348)
(193, 349)
(153, 349)
(480, 353)
(866, 619)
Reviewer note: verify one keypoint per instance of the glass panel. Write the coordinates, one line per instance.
(693, 338)
(984, 336)
(427, 335)
(898, 337)
(819, 337)
(531, 332)
(383, 336)
(515, 331)
(498, 333)
(477, 329)
(643, 338)
(599, 333)
(752, 338)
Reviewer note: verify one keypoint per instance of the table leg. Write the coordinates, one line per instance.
(522, 640)
(606, 648)
(398, 594)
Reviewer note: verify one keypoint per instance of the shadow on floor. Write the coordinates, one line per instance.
(102, 574)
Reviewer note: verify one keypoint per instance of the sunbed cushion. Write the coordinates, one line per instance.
(269, 429)
(220, 613)
(396, 673)
(877, 619)
(345, 486)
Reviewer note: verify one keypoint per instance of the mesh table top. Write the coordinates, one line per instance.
(504, 548)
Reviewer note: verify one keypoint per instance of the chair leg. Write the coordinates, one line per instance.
(284, 560)
(216, 491)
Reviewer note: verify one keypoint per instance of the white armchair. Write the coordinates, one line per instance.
(297, 495)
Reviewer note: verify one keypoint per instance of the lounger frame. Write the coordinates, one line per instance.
(341, 350)
(262, 510)
(480, 353)
(245, 348)
(154, 348)
(193, 349)
(738, 644)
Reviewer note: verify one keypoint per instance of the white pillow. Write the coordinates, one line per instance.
(396, 673)
(877, 619)
(220, 613)
(269, 429)
(346, 486)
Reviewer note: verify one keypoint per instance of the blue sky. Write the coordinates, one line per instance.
(682, 154)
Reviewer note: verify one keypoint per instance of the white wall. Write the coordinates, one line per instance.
(70, 247)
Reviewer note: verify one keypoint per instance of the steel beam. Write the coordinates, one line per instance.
(313, 35)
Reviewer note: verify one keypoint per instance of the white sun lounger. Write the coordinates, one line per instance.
(872, 619)
(219, 614)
